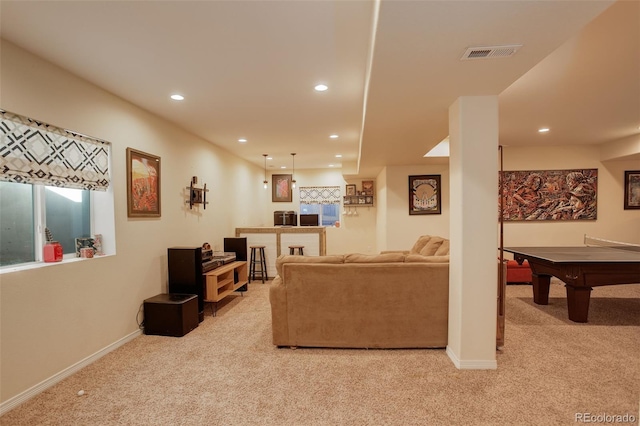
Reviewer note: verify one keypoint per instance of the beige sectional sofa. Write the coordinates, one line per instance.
(390, 300)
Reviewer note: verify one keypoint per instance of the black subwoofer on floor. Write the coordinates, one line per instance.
(171, 314)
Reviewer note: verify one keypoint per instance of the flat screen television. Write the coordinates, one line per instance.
(309, 220)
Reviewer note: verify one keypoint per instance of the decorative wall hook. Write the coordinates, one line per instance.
(197, 195)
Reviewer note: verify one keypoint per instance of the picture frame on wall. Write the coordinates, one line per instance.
(632, 189)
(351, 190)
(425, 195)
(367, 187)
(281, 189)
(549, 195)
(143, 184)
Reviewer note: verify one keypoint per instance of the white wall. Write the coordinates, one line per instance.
(355, 234)
(58, 315)
(396, 230)
(399, 230)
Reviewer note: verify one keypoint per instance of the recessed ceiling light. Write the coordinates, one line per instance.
(321, 87)
(177, 97)
(334, 136)
(283, 167)
(330, 165)
(543, 130)
(242, 140)
(338, 155)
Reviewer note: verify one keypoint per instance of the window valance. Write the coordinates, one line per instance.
(320, 195)
(35, 152)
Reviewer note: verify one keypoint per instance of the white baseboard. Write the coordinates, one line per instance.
(477, 364)
(12, 403)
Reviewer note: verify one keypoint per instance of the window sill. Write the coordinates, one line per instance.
(37, 265)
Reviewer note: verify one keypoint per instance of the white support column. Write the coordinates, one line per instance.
(473, 277)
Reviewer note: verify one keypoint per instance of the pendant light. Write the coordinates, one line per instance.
(293, 170)
(265, 171)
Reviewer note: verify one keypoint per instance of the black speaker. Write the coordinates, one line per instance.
(170, 314)
(239, 246)
(185, 273)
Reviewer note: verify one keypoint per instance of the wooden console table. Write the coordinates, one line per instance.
(224, 280)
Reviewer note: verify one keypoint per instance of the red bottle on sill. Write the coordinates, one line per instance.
(52, 251)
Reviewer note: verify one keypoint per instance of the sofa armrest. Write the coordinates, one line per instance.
(278, 301)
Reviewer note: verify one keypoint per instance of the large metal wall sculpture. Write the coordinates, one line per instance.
(550, 195)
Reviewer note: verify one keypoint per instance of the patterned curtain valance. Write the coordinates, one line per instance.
(320, 195)
(36, 152)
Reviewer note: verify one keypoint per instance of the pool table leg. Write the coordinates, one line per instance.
(578, 303)
(540, 288)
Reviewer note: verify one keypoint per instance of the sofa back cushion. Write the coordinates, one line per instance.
(443, 250)
(418, 258)
(419, 245)
(428, 245)
(374, 258)
(282, 259)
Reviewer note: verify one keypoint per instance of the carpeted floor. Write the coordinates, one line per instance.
(227, 372)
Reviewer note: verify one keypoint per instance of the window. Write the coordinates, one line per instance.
(323, 201)
(17, 236)
(50, 178)
(67, 215)
(26, 210)
(328, 212)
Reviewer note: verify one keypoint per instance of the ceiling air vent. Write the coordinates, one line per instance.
(486, 52)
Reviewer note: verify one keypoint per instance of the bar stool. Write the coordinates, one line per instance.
(292, 250)
(257, 258)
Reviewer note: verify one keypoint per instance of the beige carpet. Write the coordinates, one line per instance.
(226, 372)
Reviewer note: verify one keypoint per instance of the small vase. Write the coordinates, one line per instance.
(52, 251)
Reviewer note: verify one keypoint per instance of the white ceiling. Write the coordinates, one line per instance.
(247, 69)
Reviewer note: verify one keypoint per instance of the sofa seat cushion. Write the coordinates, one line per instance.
(374, 258)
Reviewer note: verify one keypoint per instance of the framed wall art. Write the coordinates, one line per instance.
(143, 184)
(281, 188)
(549, 195)
(632, 189)
(350, 189)
(425, 195)
(367, 187)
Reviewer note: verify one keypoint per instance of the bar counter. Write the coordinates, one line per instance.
(277, 240)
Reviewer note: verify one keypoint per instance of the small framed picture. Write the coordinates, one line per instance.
(632, 189)
(367, 187)
(351, 190)
(82, 243)
(281, 189)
